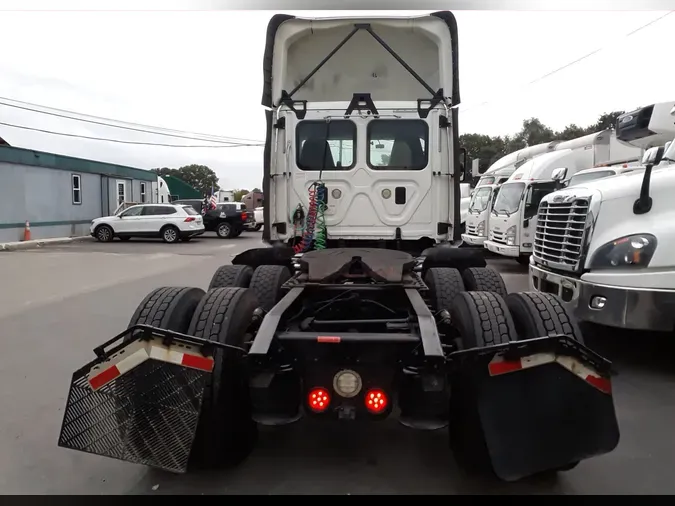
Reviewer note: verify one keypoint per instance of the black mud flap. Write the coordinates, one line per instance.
(139, 403)
(532, 406)
(458, 258)
(278, 255)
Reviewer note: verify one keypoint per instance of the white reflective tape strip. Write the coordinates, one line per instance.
(537, 359)
(576, 367)
(131, 361)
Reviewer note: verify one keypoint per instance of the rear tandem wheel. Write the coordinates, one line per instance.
(482, 319)
(226, 433)
(231, 276)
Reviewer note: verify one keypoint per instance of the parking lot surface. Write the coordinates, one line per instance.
(59, 302)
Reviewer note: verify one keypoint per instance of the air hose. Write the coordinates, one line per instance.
(315, 212)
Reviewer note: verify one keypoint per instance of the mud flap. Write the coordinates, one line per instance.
(533, 406)
(139, 404)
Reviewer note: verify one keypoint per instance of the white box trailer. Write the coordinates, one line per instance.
(606, 246)
(513, 219)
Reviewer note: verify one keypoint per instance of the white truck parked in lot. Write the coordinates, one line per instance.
(482, 198)
(514, 213)
(606, 247)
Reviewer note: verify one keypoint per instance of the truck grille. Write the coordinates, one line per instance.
(560, 232)
(497, 236)
(471, 229)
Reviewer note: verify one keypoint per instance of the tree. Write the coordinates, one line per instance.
(201, 177)
(490, 149)
(256, 190)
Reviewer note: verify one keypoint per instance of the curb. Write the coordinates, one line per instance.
(40, 243)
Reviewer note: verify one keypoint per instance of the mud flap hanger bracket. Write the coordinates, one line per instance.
(300, 113)
(168, 337)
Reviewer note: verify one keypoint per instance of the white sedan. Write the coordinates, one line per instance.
(171, 223)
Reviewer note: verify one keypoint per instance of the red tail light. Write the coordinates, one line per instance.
(189, 219)
(243, 215)
(376, 401)
(318, 399)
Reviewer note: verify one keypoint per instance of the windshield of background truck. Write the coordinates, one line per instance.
(485, 180)
(585, 178)
(480, 200)
(509, 197)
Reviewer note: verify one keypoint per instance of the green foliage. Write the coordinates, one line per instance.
(200, 177)
(490, 149)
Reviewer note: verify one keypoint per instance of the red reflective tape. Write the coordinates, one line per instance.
(502, 367)
(196, 362)
(328, 339)
(602, 384)
(104, 377)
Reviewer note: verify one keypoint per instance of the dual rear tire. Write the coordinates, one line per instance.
(226, 433)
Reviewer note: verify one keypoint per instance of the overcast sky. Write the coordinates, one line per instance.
(202, 72)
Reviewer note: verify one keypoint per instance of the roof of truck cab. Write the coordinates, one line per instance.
(295, 46)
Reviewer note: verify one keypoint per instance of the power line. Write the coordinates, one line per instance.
(574, 62)
(120, 141)
(100, 120)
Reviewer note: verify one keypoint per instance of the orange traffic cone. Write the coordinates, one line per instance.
(26, 232)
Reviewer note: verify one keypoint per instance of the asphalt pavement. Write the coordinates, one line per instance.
(59, 302)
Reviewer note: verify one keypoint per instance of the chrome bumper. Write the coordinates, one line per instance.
(613, 306)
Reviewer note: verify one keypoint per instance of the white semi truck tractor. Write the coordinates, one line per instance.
(482, 198)
(606, 247)
(513, 217)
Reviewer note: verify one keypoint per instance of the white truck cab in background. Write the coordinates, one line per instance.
(513, 217)
(607, 246)
(482, 197)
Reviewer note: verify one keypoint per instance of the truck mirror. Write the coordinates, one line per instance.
(653, 156)
(559, 174)
(475, 167)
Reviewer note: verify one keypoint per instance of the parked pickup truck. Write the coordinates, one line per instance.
(258, 217)
(228, 219)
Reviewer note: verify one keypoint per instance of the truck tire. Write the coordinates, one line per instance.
(484, 279)
(266, 283)
(444, 284)
(541, 314)
(482, 319)
(231, 276)
(168, 308)
(226, 434)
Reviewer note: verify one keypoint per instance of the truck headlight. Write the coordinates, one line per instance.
(480, 229)
(511, 236)
(631, 251)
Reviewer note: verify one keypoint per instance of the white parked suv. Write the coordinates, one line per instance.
(170, 222)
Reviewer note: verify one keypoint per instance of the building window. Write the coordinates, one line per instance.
(143, 193)
(76, 181)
